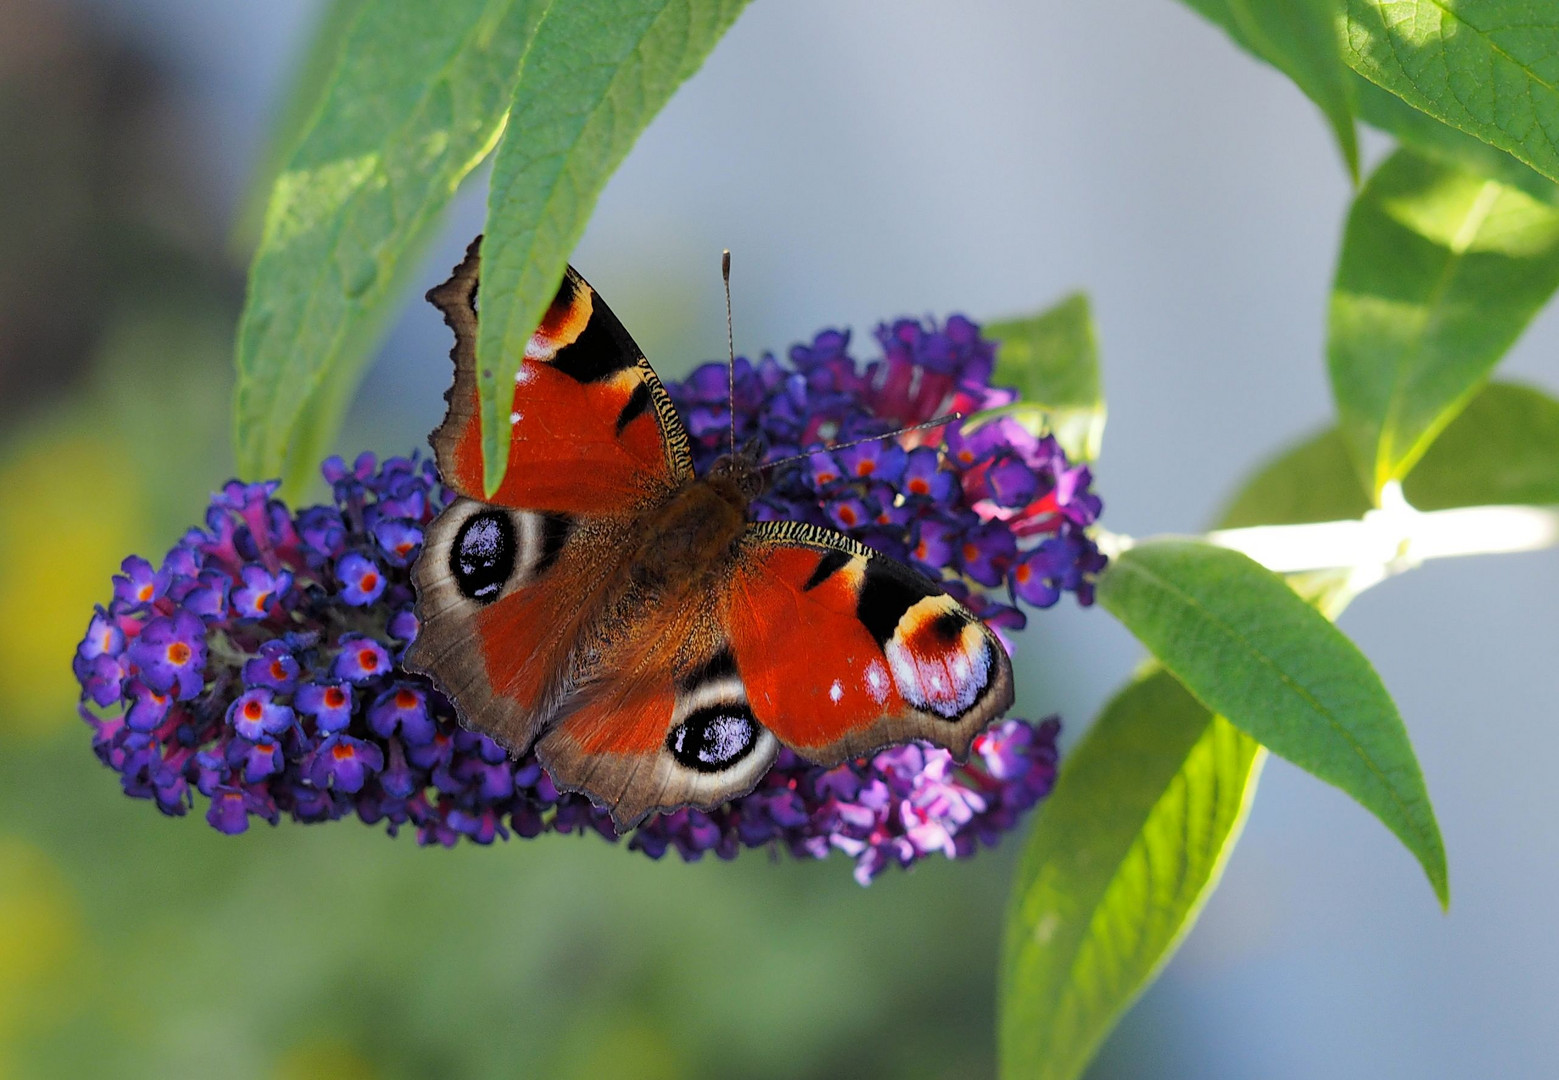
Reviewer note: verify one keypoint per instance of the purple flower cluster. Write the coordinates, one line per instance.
(977, 503)
(260, 664)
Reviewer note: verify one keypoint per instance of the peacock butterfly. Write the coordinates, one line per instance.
(628, 619)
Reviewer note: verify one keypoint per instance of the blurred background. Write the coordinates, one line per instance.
(862, 160)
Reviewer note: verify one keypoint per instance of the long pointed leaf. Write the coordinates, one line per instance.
(1486, 67)
(1251, 650)
(1122, 856)
(418, 96)
(599, 72)
(1441, 270)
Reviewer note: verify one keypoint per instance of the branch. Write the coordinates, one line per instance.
(1386, 541)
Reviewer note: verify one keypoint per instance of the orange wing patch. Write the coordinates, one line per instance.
(591, 429)
(811, 669)
(844, 650)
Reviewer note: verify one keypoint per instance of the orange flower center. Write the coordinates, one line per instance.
(405, 699)
(253, 710)
(334, 697)
(367, 660)
(178, 653)
(368, 581)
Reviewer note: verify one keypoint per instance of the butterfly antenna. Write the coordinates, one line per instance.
(935, 421)
(730, 346)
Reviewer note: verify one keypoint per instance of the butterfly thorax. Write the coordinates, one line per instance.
(695, 532)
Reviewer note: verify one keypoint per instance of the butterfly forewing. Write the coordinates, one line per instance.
(591, 429)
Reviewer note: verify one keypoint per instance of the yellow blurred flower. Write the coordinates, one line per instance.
(324, 1059)
(70, 514)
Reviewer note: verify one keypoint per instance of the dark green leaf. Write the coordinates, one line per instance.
(1503, 448)
(1313, 480)
(1441, 270)
(1487, 67)
(1122, 856)
(415, 101)
(1435, 139)
(599, 72)
(1053, 360)
(1300, 38)
(1251, 650)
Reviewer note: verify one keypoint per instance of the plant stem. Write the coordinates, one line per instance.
(1386, 541)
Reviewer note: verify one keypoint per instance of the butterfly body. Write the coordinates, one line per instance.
(631, 623)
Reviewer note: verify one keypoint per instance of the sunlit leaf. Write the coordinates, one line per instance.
(1053, 360)
(416, 100)
(1122, 856)
(1503, 448)
(1251, 650)
(1438, 140)
(599, 72)
(305, 91)
(1487, 67)
(1441, 270)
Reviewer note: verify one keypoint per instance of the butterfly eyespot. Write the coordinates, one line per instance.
(482, 556)
(714, 738)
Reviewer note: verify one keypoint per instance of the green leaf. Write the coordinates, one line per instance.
(305, 92)
(1503, 448)
(1313, 480)
(1122, 856)
(1486, 67)
(416, 100)
(1440, 272)
(1301, 38)
(1437, 140)
(1053, 360)
(599, 72)
(1251, 650)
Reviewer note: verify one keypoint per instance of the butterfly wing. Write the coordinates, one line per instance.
(504, 586)
(502, 596)
(671, 727)
(843, 650)
(591, 429)
(813, 642)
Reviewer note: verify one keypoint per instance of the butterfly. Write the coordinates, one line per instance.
(627, 619)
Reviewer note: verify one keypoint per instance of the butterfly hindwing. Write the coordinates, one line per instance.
(843, 650)
(591, 429)
(501, 596)
(668, 726)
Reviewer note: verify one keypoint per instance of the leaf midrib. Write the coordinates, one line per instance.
(1477, 214)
